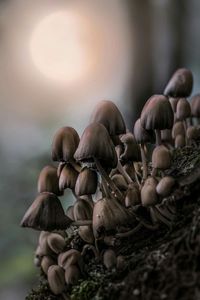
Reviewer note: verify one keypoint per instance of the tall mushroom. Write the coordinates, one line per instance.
(157, 114)
(142, 137)
(183, 111)
(195, 107)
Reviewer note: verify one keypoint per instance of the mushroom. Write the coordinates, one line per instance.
(56, 279)
(86, 234)
(107, 114)
(157, 114)
(161, 159)
(143, 136)
(70, 257)
(120, 182)
(132, 195)
(65, 143)
(109, 259)
(183, 112)
(48, 181)
(177, 129)
(72, 274)
(180, 84)
(56, 242)
(149, 196)
(193, 134)
(195, 107)
(68, 177)
(96, 148)
(46, 263)
(86, 183)
(46, 213)
(165, 186)
(180, 141)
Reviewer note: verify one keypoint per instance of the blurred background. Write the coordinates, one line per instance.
(57, 60)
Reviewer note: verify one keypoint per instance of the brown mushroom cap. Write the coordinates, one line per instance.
(180, 141)
(68, 177)
(56, 279)
(165, 186)
(130, 150)
(157, 113)
(48, 181)
(148, 192)
(180, 84)
(132, 196)
(46, 263)
(195, 106)
(95, 142)
(142, 135)
(107, 113)
(161, 158)
(183, 109)
(69, 257)
(109, 259)
(120, 182)
(193, 133)
(86, 234)
(173, 102)
(72, 274)
(46, 213)
(86, 183)
(82, 210)
(178, 128)
(65, 143)
(56, 242)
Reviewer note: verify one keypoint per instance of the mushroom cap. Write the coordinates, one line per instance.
(69, 257)
(130, 170)
(46, 213)
(183, 109)
(82, 210)
(48, 181)
(178, 128)
(161, 158)
(142, 135)
(46, 263)
(132, 196)
(70, 212)
(95, 142)
(72, 274)
(157, 113)
(148, 192)
(65, 143)
(86, 183)
(56, 242)
(195, 106)
(165, 186)
(180, 141)
(130, 150)
(108, 214)
(68, 177)
(193, 133)
(109, 259)
(120, 182)
(56, 279)
(86, 234)
(107, 113)
(180, 84)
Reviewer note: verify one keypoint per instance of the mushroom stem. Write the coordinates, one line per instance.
(81, 223)
(105, 188)
(108, 179)
(185, 127)
(124, 173)
(130, 232)
(158, 137)
(136, 177)
(144, 162)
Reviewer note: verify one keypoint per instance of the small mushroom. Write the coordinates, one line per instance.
(180, 141)
(86, 234)
(157, 114)
(161, 159)
(193, 133)
(195, 107)
(173, 102)
(165, 186)
(120, 182)
(177, 129)
(65, 143)
(109, 259)
(70, 212)
(46, 213)
(143, 136)
(132, 196)
(56, 279)
(72, 274)
(149, 196)
(107, 114)
(68, 258)
(48, 181)
(86, 183)
(46, 263)
(180, 84)
(68, 178)
(82, 210)
(56, 242)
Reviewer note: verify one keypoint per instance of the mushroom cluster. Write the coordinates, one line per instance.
(118, 178)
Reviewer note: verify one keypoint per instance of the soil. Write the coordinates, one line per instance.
(158, 265)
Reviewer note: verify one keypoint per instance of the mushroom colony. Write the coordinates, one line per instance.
(118, 177)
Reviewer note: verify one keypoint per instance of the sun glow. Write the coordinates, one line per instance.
(59, 47)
